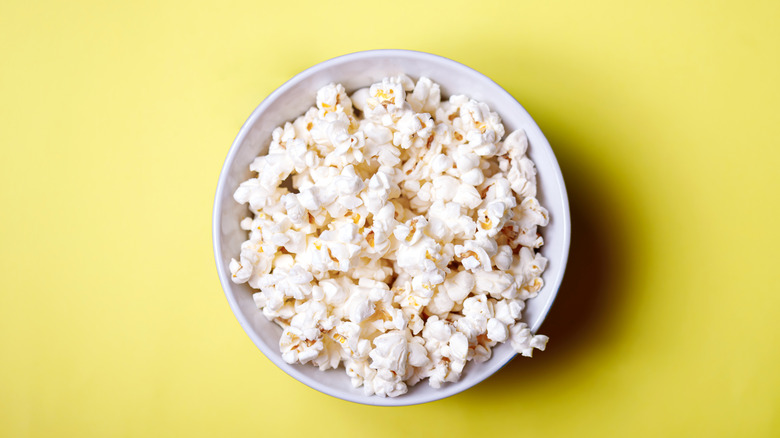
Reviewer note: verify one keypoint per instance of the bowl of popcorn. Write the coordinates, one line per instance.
(391, 227)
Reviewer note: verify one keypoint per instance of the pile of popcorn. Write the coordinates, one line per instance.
(395, 233)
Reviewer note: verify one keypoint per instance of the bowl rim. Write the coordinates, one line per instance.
(274, 356)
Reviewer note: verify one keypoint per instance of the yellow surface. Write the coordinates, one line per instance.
(115, 119)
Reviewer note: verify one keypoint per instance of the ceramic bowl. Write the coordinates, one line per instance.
(355, 71)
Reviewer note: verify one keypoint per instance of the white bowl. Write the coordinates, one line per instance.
(354, 71)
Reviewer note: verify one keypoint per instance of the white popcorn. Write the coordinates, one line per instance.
(473, 256)
(348, 185)
(379, 145)
(445, 188)
(360, 373)
(483, 127)
(240, 271)
(359, 98)
(440, 303)
(515, 144)
(386, 384)
(425, 97)
(295, 211)
(473, 177)
(497, 284)
(359, 307)
(394, 233)
(280, 137)
(477, 308)
(257, 194)
(413, 130)
(497, 330)
(412, 301)
(437, 332)
(462, 226)
(459, 346)
(418, 257)
(503, 258)
(390, 352)
(530, 214)
(333, 98)
(386, 102)
(524, 342)
(418, 356)
(441, 163)
(309, 316)
(467, 196)
(406, 82)
(465, 160)
(507, 311)
(381, 188)
(459, 285)
(410, 232)
(294, 282)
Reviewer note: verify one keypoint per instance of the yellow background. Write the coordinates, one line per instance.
(115, 119)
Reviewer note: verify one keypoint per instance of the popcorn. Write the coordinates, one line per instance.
(459, 285)
(425, 97)
(473, 256)
(386, 102)
(477, 309)
(333, 98)
(497, 330)
(410, 232)
(445, 188)
(419, 257)
(467, 196)
(405, 245)
(413, 130)
(297, 349)
(359, 306)
(390, 352)
(441, 163)
(524, 342)
(240, 271)
(503, 258)
(497, 284)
